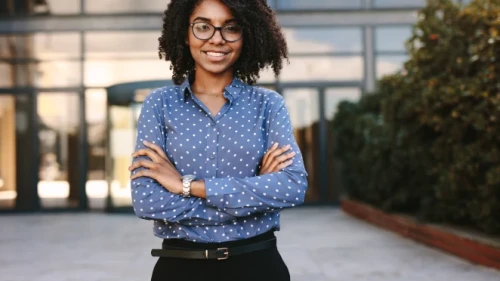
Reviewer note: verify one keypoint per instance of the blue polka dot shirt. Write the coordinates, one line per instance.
(226, 151)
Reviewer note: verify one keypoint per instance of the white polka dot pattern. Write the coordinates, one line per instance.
(225, 150)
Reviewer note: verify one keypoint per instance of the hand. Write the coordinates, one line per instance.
(160, 168)
(275, 160)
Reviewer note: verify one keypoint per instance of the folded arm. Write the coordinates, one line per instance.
(150, 199)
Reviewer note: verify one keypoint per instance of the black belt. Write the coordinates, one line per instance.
(219, 253)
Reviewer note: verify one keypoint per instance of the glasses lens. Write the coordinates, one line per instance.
(232, 32)
(203, 30)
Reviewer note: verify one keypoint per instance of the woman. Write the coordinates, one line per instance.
(216, 159)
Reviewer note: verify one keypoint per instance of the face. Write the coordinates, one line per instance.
(215, 55)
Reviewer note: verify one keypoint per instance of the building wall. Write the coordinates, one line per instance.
(66, 63)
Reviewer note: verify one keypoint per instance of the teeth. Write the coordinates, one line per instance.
(213, 54)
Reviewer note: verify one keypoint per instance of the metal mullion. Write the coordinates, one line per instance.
(36, 150)
(322, 137)
(83, 141)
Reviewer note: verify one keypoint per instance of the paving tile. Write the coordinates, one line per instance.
(318, 244)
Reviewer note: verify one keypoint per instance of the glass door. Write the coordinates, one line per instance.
(59, 149)
(8, 187)
(303, 107)
(18, 152)
(122, 122)
(312, 110)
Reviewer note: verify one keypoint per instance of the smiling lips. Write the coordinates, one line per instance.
(215, 56)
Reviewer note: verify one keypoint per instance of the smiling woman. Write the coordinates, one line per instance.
(216, 159)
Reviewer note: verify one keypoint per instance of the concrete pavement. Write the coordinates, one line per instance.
(318, 244)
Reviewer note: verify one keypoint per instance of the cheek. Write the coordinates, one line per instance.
(193, 42)
(238, 48)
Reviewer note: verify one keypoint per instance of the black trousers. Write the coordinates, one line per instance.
(264, 265)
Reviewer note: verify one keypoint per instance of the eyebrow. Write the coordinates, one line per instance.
(208, 20)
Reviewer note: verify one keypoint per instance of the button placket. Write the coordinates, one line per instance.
(212, 148)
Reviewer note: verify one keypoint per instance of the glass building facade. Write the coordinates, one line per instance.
(73, 74)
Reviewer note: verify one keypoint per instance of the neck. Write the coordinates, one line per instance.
(211, 83)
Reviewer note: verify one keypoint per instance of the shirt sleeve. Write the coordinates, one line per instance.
(150, 200)
(284, 189)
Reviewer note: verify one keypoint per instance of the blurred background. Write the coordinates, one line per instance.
(395, 106)
(73, 74)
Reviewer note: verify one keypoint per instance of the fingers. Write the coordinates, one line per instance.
(277, 152)
(274, 165)
(283, 165)
(276, 159)
(142, 163)
(266, 158)
(143, 173)
(149, 153)
(156, 148)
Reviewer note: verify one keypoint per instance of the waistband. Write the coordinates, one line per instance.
(197, 245)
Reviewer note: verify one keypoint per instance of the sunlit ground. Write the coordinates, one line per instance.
(318, 244)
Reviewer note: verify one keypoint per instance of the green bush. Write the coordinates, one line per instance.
(428, 141)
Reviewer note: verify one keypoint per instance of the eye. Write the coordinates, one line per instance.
(202, 27)
(232, 28)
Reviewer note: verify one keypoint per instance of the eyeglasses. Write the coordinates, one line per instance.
(229, 32)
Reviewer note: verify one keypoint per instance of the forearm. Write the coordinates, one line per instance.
(245, 196)
(198, 189)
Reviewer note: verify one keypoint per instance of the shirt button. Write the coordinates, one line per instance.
(212, 124)
(212, 156)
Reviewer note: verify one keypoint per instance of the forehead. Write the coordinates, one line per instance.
(213, 10)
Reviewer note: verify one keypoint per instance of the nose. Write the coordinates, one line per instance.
(217, 38)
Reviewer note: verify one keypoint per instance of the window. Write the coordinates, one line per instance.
(47, 7)
(323, 40)
(122, 45)
(389, 39)
(41, 46)
(58, 74)
(117, 57)
(389, 64)
(56, 46)
(6, 78)
(323, 68)
(398, 3)
(63, 6)
(125, 6)
(318, 4)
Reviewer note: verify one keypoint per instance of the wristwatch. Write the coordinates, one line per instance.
(186, 184)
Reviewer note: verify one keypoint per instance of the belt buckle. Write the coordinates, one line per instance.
(225, 252)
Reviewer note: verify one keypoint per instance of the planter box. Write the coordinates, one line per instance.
(478, 250)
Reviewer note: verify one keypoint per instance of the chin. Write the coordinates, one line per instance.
(215, 69)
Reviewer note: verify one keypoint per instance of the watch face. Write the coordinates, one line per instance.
(188, 177)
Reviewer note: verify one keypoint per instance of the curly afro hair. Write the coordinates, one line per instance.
(264, 43)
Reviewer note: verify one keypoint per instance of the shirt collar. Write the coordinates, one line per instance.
(232, 91)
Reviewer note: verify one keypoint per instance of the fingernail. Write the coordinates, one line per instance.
(288, 146)
(275, 144)
(145, 142)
